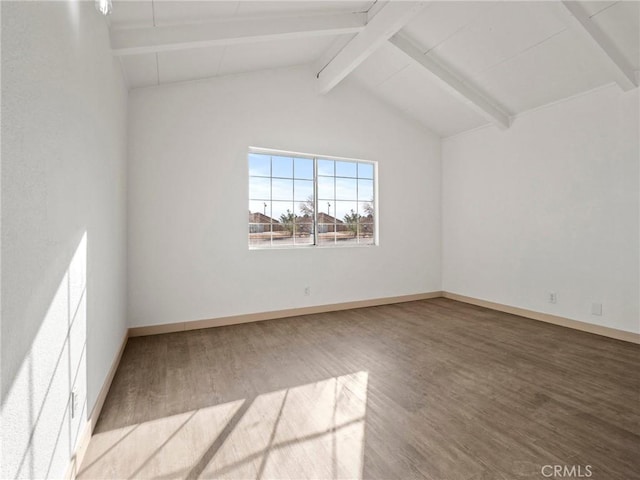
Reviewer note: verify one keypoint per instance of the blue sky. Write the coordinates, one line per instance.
(350, 190)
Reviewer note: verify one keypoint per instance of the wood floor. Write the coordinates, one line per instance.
(432, 389)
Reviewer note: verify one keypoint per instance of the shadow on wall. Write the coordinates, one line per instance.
(316, 430)
(41, 422)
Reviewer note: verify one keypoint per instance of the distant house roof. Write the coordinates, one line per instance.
(325, 218)
(258, 217)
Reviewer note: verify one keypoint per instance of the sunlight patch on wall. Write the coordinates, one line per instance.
(43, 431)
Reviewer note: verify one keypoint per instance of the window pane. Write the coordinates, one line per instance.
(365, 234)
(348, 210)
(259, 235)
(325, 167)
(303, 190)
(347, 230)
(326, 224)
(326, 234)
(281, 238)
(261, 211)
(282, 167)
(282, 209)
(303, 168)
(304, 211)
(326, 188)
(303, 233)
(281, 189)
(259, 188)
(304, 219)
(365, 190)
(365, 170)
(259, 164)
(365, 209)
(283, 229)
(346, 189)
(326, 210)
(346, 169)
(283, 212)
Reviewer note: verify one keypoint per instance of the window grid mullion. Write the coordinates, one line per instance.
(317, 212)
(293, 186)
(357, 207)
(315, 201)
(335, 205)
(271, 201)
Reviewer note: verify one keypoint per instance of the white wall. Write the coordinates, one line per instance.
(188, 254)
(550, 205)
(63, 228)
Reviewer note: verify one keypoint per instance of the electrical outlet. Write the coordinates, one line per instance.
(553, 297)
(596, 309)
(307, 291)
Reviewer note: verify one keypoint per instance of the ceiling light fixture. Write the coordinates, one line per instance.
(104, 6)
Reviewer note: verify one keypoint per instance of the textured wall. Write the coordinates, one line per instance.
(188, 184)
(550, 205)
(63, 227)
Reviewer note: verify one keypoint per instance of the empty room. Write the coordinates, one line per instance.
(323, 239)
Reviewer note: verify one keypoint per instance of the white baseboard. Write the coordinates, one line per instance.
(548, 318)
(291, 312)
(87, 431)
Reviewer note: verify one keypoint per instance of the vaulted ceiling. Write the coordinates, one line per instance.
(452, 66)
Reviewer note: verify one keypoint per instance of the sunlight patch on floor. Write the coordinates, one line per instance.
(151, 449)
(310, 431)
(315, 430)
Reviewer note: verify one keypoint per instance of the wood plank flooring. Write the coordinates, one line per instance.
(433, 389)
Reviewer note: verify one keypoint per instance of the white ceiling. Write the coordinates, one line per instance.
(138, 13)
(517, 55)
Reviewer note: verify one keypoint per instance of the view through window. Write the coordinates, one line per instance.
(304, 200)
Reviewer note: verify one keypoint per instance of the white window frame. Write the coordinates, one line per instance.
(315, 158)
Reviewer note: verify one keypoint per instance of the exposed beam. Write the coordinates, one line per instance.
(135, 41)
(452, 83)
(391, 18)
(578, 20)
(375, 9)
(334, 49)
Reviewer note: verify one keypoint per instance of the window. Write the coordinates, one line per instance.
(300, 200)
